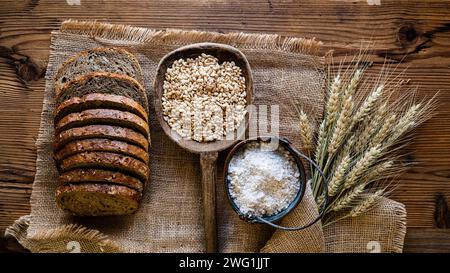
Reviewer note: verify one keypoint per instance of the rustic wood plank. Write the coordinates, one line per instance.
(10, 245)
(424, 240)
(418, 31)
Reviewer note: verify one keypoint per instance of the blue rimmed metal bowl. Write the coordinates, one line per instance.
(302, 179)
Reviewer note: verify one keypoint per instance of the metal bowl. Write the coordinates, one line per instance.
(302, 179)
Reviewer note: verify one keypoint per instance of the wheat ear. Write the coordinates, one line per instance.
(366, 204)
(347, 149)
(342, 125)
(377, 171)
(385, 129)
(368, 104)
(306, 132)
(351, 87)
(321, 142)
(406, 122)
(361, 166)
(338, 176)
(344, 121)
(333, 101)
(369, 128)
(346, 200)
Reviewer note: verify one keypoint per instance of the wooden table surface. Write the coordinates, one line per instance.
(416, 31)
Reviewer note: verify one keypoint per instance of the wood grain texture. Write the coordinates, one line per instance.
(417, 31)
(427, 240)
(208, 164)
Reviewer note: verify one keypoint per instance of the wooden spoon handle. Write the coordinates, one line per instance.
(208, 164)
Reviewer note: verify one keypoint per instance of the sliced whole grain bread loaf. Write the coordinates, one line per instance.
(101, 145)
(78, 176)
(114, 60)
(96, 199)
(99, 100)
(106, 160)
(104, 83)
(100, 131)
(103, 116)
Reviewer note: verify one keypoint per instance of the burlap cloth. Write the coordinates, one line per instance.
(170, 216)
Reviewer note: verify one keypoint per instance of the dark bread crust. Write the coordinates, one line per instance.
(93, 199)
(101, 79)
(101, 51)
(106, 160)
(99, 100)
(100, 131)
(101, 145)
(103, 116)
(78, 176)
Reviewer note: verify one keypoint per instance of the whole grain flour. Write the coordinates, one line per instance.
(263, 181)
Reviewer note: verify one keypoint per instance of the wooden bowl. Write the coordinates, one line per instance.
(223, 53)
(208, 150)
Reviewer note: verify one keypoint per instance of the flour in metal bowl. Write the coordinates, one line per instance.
(263, 181)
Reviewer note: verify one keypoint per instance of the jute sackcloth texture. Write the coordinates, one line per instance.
(309, 240)
(382, 229)
(170, 216)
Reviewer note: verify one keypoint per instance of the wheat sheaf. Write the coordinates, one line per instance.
(367, 122)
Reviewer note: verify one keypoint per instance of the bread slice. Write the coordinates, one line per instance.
(78, 176)
(113, 60)
(100, 131)
(103, 116)
(95, 199)
(104, 83)
(101, 145)
(106, 160)
(99, 100)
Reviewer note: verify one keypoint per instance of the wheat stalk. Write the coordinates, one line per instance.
(342, 125)
(369, 127)
(337, 179)
(348, 198)
(406, 122)
(306, 132)
(385, 130)
(366, 204)
(368, 104)
(321, 141)
(344, 121)
(320, 200)
(351, 87)
(346, 150)
(356, 142)
(361, 166)
(379, 114)
(364, 138)
(333, 101)
(377, 171)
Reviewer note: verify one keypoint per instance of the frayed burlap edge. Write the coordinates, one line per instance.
(387, 213)
(399, 239)
(173, 36)
(67, 238)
